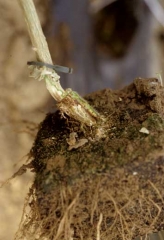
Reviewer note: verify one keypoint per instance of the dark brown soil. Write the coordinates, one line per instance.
(104, 182)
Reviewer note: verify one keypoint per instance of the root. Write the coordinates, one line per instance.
(64, 223)
(99, 226)
(94, 211)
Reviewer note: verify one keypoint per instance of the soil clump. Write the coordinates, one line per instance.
(102, 182)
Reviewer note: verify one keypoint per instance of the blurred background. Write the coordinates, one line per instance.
(108, 43)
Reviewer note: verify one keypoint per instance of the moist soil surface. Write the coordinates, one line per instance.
(102, 182)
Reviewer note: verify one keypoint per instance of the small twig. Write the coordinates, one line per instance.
(69, 102)
(159, 77)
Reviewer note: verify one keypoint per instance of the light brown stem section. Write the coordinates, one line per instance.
(35, 31)
(69, 102)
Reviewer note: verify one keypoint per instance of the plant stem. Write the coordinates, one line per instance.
(69, 102)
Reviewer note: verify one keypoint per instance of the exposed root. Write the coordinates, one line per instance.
(93, 211)
(99, 226)
(157, 191)
(64, 224)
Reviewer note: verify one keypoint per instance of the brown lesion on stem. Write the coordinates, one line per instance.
(72, 102)
(69, 102)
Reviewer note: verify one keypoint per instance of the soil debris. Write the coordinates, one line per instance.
(144, 130)
(74, 142)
